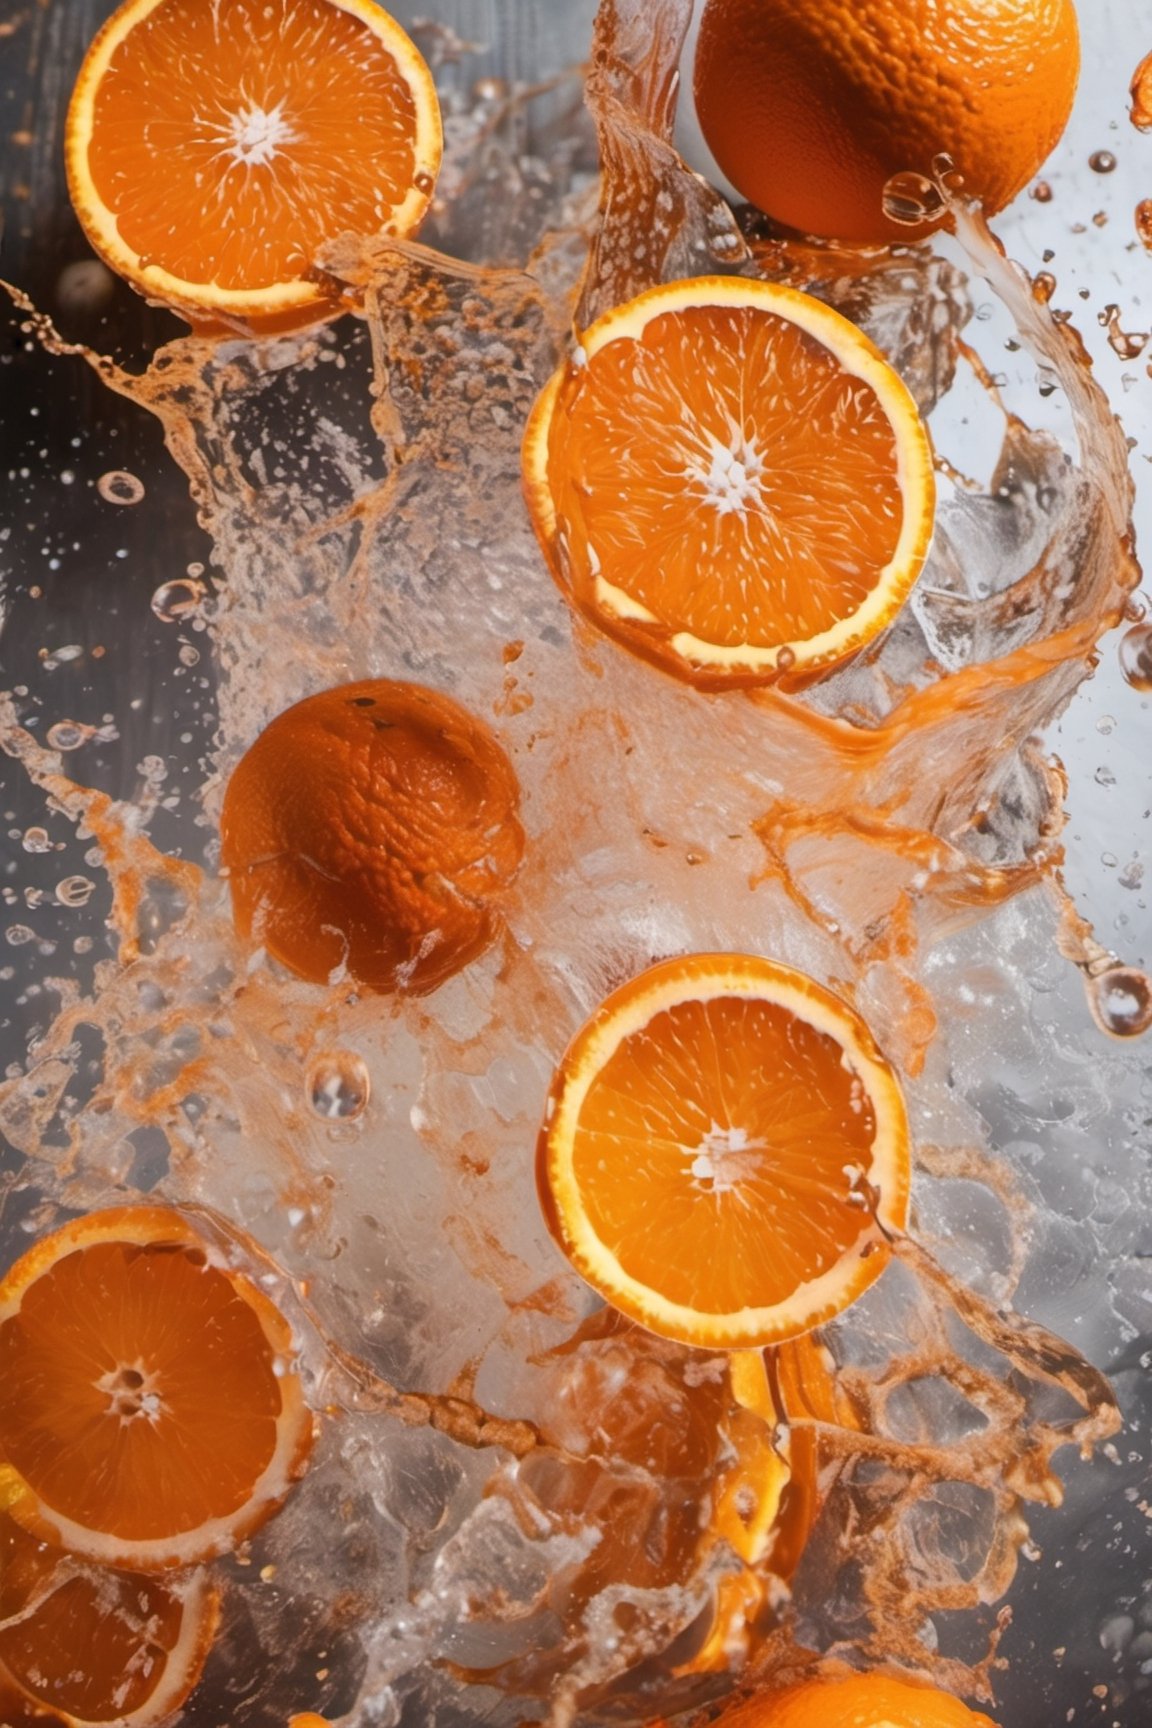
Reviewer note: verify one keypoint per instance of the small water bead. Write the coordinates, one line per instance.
(17, 935)
(1041, 192)
(120, 487)
(1121, 1001)
(36, 840)
(1102, 162)
(1043, 286)
(178, 600)
(75, 891)
(68, 735)
(338, 1086)
(911, 199)
(1136, 656)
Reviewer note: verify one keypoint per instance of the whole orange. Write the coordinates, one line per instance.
(856, 1701)
(372, 827)
(810, 106)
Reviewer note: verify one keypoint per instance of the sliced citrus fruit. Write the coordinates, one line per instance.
(856, 1701)
(97, 1645)
(214, 146)
(730, 479)
(372, 827)
(151, 1414)
(725, 1152)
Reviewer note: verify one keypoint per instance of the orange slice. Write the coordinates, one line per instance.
(96, 1645)
(213, 147)
(372, 827)
(730, 479)
(725, 1152)
(151, 1414)
(856, 1701)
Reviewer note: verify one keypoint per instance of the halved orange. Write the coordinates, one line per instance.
(97, 1645)
(213, 147)
(730, 479)
(725, 1152)
(151, 1414)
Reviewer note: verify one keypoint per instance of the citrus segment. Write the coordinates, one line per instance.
(98, 1645)
(372, 827)
(857, 1701)
(214, 146)
(811, 106)
(731, 480)
(725, 1152)
(151, 1414)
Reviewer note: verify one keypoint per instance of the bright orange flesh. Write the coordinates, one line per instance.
(858, 1701)
(730, 480)
(94, 1644)
(214, 146)
(725, 1152)
(700, 1072)
(810, 106)
(150, 1414)
(372, 827)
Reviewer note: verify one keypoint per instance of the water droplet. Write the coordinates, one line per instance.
(1043, 286)
(68, 735)
(17, 935)
(36, 840)
(84, 286)
(120, 487)
(1121, 1001)
(423, 183)
(1041, 192)
(1136, 656)
(1102, 162)
(785, 659)
(189, 656)
(1106, 725)
(75, 891)
(911, 199)
(1140, 91)
(338, 1085)
(173, 601)
(490, 90)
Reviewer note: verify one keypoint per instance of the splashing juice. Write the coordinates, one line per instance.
(520, 1506)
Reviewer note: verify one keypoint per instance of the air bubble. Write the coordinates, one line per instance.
(68, 735)
(1136, 656)
(338, 1086)
(75, 891)
(911, 199)
(1121, 1001)
(120, 487)
(177, 600)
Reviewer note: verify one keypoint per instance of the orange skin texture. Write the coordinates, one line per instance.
(856, 1701)
(373, 826)
(810, 106)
